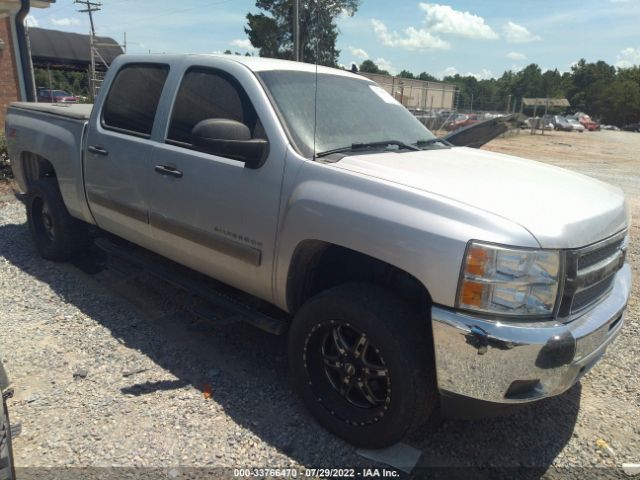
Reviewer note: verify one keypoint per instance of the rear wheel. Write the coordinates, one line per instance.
(56, 234)
(362, 361)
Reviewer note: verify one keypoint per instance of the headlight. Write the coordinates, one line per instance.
(509, 281)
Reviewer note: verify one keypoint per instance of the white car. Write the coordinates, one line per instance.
(577, 126)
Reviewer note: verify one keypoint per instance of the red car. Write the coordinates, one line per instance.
(589, 124)
(462, 121)
(55, 96)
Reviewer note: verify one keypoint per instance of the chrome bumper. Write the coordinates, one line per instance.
(511, 362)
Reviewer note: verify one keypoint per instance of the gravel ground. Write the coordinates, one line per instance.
(110, 370)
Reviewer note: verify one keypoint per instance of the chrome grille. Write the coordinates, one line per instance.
(589, 274)
(590, 295)
(591, 258)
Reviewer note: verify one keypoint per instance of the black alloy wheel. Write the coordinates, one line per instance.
(347, 373)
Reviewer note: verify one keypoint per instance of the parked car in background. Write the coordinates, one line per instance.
(463, 121)
(6, 453)
(560, 123)
(632, 127)
(610, 127)
(46, 95)
(587, 122)
(575, 124)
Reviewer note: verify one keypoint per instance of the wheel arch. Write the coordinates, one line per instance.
(35, 167)
(318, 265)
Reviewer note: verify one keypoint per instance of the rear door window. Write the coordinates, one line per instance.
(133, 99)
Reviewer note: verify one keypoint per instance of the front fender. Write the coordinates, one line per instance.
(424, 235)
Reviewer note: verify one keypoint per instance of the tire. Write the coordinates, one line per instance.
(7, 471)
(378, 331)
(57, 235)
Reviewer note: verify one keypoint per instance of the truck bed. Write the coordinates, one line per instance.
(78, 111)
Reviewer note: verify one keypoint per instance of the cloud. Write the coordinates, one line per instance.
(483, 74)
(449, 72)
(628, 57)
(516, 56)
(384, 64)
(358, 52)
(444, 19)
(244, 44)
(515, 33)
(413, 39)
(64, 22)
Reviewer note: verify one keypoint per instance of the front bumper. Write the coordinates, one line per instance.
(512, 362)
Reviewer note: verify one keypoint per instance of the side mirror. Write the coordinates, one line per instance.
(230, 139)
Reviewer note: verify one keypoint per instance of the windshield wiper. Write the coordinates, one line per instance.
(356, 147)
(426, 143)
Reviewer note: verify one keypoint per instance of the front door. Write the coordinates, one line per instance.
(209, 212)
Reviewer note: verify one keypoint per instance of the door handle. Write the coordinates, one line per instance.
(167, 170)
(98, 150)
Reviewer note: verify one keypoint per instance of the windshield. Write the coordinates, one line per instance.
(350, 111)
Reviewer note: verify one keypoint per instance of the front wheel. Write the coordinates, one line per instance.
(7, 471)
(362, 360)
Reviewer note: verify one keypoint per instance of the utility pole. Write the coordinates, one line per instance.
(95, 77)
(90, 8)
(296, 30)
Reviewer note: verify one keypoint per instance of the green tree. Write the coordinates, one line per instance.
(369, 66)
(427, 77)
(76, 83)
(271, 32)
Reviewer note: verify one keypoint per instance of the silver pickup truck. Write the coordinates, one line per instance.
(413, 274)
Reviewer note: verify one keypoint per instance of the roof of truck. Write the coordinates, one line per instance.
(261, 64)
(255, 64)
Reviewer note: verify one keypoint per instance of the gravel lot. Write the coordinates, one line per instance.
(110, 370)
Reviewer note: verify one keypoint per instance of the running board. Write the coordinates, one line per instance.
(204, 296)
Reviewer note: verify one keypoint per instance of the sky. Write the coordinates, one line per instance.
(480, 38)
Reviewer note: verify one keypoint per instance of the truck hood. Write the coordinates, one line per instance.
(561, 208)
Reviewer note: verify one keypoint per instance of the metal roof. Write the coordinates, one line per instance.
(68, 51)
(541, 102)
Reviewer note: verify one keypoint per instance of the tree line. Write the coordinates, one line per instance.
(607, 93)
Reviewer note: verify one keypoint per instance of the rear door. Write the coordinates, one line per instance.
(209, 212)
(117, 173)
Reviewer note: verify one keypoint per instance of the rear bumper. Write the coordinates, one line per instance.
(510, 363)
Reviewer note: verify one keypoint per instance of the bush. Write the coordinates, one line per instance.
(5, 164)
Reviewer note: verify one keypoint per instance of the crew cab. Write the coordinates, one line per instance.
(411, 273)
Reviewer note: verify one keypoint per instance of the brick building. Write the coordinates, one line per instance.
(15, 70)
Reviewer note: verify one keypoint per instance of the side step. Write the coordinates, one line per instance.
(207, 298)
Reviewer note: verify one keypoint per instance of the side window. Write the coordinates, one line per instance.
(133, 98)
(204, 94)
